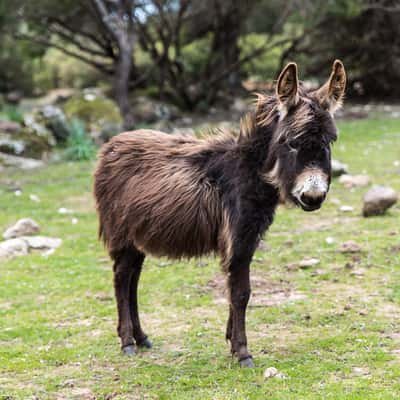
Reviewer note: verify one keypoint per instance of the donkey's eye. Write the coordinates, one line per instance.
(294, 145)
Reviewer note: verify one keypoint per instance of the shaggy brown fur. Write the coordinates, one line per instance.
(178, 196)
(154, 170)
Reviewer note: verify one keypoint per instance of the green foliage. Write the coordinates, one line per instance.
(266, 65)
(57, 70)
(195, 55)
(93, 111)
(17, 60)
(80, 146)
(11, 113)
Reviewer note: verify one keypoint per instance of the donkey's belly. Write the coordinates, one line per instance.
(177, 237)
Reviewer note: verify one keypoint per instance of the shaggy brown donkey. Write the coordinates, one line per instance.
(179, 196)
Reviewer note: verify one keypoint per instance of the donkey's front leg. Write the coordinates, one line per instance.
(239, 291)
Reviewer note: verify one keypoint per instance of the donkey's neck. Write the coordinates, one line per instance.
(257, 130)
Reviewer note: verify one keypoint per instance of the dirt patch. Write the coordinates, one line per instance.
(264, 293)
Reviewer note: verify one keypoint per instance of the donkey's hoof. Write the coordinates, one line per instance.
(129, 350)
(146, 344)
(247, 362)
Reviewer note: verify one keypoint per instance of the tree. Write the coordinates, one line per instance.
(97, 32)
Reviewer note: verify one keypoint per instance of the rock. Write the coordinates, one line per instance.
(9, 126)
(99, 113)
(38, 138)
(10, 145)
(272, 372)
(338, 168)
(350, 247)
(54, 119)
(346, 208)
(350, 181)
(378, 199)
(13, 248)
(31, 139)
(308, 263)
(148, 110)
(42, 242)
(25, 163)
(329, 240)
(34, 198)
(23, 227)
(63, 210)
(14, 97)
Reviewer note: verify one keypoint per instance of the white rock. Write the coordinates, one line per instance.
(34, 198)
(308, 262)
(346, 208)
(330, 240)
(350, 181)
(74, 221)
(42, 242)
(20, 162)
(13, 248)
(378, 199)
(63, 210)
(23, 227)
(272, 372)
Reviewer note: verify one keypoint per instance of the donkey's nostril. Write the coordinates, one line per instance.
(312, 200)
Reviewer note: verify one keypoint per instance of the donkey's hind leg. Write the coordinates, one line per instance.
(140, 337)
(122, 278)
(127, 267)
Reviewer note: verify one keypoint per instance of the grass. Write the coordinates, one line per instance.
(332, 329)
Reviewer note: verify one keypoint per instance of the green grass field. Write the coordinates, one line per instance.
(332, 329)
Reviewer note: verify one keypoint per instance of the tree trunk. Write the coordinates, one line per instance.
(122, 75)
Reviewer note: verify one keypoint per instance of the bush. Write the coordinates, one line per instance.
(80, 146)
(11, 113)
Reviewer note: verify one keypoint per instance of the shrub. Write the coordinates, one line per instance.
(80, 146)
(11, 113)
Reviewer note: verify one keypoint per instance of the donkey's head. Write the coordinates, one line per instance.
(301, 144)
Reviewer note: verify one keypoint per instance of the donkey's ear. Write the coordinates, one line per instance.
(330, 95)
(287, 86)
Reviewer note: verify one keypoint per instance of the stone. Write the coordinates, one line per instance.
(149, 111)
(351, 181)
(272, 372)
(13, 248)
(30, 139)
(9, 126)
(100, 114)
(23, 227)
(42, 242)
(346, 208)
(350, 247)
(14, 97)
(308, 263)
(24, 163)
(338, 168)
(378, 199)
(54, 119)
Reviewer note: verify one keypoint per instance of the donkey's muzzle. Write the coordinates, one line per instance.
(311, 201)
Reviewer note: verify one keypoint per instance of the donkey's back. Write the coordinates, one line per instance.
(151, 195)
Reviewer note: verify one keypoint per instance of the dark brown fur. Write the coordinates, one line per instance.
(178, 196)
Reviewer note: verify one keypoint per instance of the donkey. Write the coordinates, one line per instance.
(179, 196)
